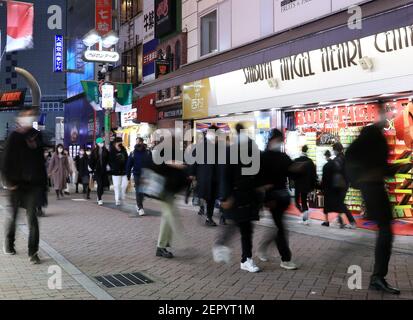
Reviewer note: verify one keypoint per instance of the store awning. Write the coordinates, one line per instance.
(378, 16)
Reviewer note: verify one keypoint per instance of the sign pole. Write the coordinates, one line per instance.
(107, 115)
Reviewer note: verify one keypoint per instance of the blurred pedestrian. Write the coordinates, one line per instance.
(118, 160)
(274, 172)
(335, 186)
(239, 200)
(25, 173)
(367, 166)
(82, 166)
(304, 182)
(72, 179)
(206, 172)
(59, 170)
(139, 158)
(99, 163)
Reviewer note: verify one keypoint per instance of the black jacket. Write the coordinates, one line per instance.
(275, 169)
(306, 180)
(24, 163)
(118, 161)
(241, 188)
(82, 164)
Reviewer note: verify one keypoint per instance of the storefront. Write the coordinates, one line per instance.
(324, 96)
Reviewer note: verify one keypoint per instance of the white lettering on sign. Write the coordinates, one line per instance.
(55, 20)
(101, 56)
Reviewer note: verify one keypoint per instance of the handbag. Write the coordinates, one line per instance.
(151, 184)
(91, 182)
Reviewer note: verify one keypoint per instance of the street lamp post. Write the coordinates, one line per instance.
(107, 41)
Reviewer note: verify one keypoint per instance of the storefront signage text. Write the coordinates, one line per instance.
(165, 17)
(103, 14)
(340, 116)
(12, 99)
(169, 114)
(58, 54)
(101, 56)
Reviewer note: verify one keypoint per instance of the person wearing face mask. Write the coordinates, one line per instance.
(139, 158)
(335, 187)
(206, 173)
(59, 170)
(82, 164)
(275, 170)
(118, 160)
(25, 176)
(99, 163)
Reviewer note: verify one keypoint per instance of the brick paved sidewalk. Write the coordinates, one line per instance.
(21, 280)
(105, 240)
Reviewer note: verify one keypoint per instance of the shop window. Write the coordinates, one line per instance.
(131, 65)
(168, 93)
(169, 57)
(160, 95)
(177, 55)
(209, 31)
(178, 91)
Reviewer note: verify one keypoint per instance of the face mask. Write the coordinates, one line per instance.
(81, 153)
(275, 146)
(88, 153)
(101, 145)
(26, 121)
(60, 150)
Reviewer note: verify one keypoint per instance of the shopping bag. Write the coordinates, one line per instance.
(129, 188)
(151, 184)
(91, 182)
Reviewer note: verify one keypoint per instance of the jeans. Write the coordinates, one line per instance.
(100, 187)
(120, 183)
(170, 223)
(29, 197)
(246, 231)
(210, 206)
(379, 209)
(280, 237)
(139, 195)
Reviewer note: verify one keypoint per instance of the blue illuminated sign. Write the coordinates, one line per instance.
(58, 54)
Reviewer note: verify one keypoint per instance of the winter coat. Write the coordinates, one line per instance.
(138, 159)
(306, 180)
(118, 160)
(206, 173)
(82, 166)
(98, 165)
(59, 171)
(241, 188)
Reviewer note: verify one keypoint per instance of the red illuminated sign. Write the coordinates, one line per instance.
(12, 99)
(103, 23)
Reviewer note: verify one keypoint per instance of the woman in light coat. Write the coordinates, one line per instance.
(59, 170)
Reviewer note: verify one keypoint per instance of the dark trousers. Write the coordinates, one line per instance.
(29, 198)
(100, 187)
(379, 209)
(210, 207)
(281, 203)
(139, 195)
(301, 197)
(246, 231)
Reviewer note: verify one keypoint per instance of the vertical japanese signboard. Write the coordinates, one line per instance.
(149, 57)
(148, 21)
(103, 23)
(196, 99)
(58, 54)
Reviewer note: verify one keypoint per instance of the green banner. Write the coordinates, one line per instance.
(124, 97)
(91, 89)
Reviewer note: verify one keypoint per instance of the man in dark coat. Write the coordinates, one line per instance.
(99, 163)
(206, 173)
(25, 174)
(304, 182)
(367, 166)
(239, 200)
(139, 158)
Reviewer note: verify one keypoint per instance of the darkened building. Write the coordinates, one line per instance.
(39, 61)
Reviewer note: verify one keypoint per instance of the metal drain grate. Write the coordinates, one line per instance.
(123, 280)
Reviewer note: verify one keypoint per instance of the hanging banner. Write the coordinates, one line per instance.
(20, 17)
(103, 14)
(149, 57)
(124, 96)
(91, 89)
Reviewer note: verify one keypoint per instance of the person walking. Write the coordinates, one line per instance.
(335, 186)
(274, 172)
(99, 163)
(367, 166)
(82, 166)
(118, 160)
(25, 174)
(72, 178)
(239, 201)
(139, 158)
(206, 173)
(59, 170)
(304, 183)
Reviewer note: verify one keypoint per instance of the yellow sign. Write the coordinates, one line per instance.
(196, 98)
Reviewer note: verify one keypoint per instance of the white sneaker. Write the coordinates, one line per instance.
(305, 222)
(118, 203)
(141, 212)
(351, 226)
(249, 266)
(100, 203)
(221, 254)
(288, 265)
